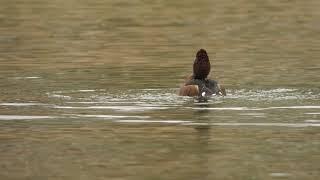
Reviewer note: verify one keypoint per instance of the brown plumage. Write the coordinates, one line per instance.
(189, 90)
(201, 65)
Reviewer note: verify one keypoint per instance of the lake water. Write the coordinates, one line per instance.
(88, 90)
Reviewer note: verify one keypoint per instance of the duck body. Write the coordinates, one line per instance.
(201, 87)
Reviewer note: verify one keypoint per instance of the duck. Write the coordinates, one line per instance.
(198, 83)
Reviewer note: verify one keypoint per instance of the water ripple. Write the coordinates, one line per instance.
(19, 117)
(22, 104)
(192, 123)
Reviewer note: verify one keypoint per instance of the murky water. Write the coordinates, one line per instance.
(88, 90)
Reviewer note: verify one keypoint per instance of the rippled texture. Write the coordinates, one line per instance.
(88, 90)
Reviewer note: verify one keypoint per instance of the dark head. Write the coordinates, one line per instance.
(201, 65)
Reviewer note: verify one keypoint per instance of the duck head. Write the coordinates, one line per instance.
(201, 65)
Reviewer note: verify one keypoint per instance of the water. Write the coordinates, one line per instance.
(88, 90)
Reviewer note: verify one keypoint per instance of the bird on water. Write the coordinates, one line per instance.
(198, 84)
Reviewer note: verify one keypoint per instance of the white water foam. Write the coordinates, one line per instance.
(28, 77)
(256, 108)
(21, 104)
(108, 116)
(119, 108)
(280, 174)
(18, 117)
(192, 123)
(154, 121)
(87, 90)
(315, 113)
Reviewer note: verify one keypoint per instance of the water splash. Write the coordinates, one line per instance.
(273, 94)
(147, 105)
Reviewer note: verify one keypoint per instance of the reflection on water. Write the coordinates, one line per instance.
(88, 90)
